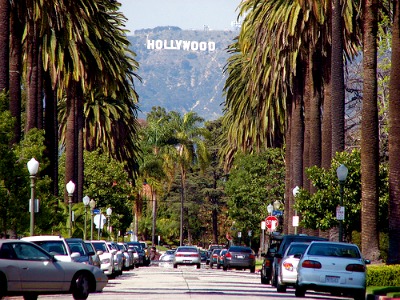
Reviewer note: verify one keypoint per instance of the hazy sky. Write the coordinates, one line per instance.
(186, 14)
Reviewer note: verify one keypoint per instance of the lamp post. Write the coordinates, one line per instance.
(70, 189)
(296, 190)
(270, 209)
(341, 173)
(109, 212)
(33, 168)
(86, 201)
(92, 205)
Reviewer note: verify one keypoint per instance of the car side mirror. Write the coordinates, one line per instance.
(367, 261)
(113, 251)
(75, 254)
(100, 252)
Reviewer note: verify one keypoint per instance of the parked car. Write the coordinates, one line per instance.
(214, 257)
(118, 257)
(203, 254)
(168, 255)
(128, 254)
(240, 257)
(338, 268)
(106, 257)
(187, 255)
(144, 260)
(135, 256)
(69, 249)
(221, 256)
(28, 270)
(95, 256)
(270, 265)
(287, 275)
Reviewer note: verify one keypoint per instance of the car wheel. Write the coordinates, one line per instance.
(175, 266)
(280, 288)
(360, 295)
(264, 280)
(225, 268)
(3, 285)
(300, 292)
(80, 290)
(252, 269)
(30, 297)
(211, 265)
(218, 266)
(198, 266)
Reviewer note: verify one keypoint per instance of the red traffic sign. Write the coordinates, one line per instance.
(271, 222)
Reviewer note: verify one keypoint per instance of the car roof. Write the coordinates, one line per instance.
(43, 238)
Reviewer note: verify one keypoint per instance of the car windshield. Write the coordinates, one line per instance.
(76, 247)
(54, 247)
(334, 250)
(297, 249)
(100, 247)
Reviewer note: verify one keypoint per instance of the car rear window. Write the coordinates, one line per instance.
(297, 249)
(100, 247)
(334, 250)
(54, 247)
(240, 249)
(186, 249)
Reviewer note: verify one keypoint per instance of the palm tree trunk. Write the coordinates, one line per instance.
(370, 136)
(70, 141)
(15, 73)
(337, 76)
(4, 42)
(394, 145)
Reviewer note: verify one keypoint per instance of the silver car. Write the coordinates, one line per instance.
(333, 267)
(187, 255)
(28, 270)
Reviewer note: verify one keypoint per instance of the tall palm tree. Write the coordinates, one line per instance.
(370, 134)
(191, 150)
(394, 145)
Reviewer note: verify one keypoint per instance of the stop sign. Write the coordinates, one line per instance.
(271, 222)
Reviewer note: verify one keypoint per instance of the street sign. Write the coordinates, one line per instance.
(340, 213)
(96, 211)
(271, 222)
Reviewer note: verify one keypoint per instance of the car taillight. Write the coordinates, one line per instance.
(194, 255)
(215, 255)
(355, 268)
(288, 266)
(252, 256)
(178, 254)
(267, 263)
(312, 264)
(228, 256)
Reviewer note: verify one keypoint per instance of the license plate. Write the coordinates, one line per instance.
(186, 261)
(239, 256)
(332, 279)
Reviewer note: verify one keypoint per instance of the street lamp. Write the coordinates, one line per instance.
(262, 236)
(109, 212)
(270, 209)
(341, 173)
(33, 168)
(92, 205)
(296, 190)
(86, 201)
(70, 189)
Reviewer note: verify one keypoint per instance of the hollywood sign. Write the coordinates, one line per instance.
(180, 45)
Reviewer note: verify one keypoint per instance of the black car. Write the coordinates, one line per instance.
(239, 257)
(278, 246)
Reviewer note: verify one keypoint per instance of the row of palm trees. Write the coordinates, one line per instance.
(285, 85)
(67, 68)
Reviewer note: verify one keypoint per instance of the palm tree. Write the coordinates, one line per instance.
(191, 150)
(394, 145)
(370, 134)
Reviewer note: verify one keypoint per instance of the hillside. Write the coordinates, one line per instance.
(181, 70)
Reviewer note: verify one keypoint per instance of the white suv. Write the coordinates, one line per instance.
(70, 249)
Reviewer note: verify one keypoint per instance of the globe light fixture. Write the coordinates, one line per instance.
(33, 168)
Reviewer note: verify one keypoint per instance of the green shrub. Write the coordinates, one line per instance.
(383, 275)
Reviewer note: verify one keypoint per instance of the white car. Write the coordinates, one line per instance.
(118, 257)
(106, 257)
(28, 270)
(338, 268)
(187, 255)
(287, 275)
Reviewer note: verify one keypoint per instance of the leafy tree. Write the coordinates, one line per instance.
(255, 181)
(318, 210)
